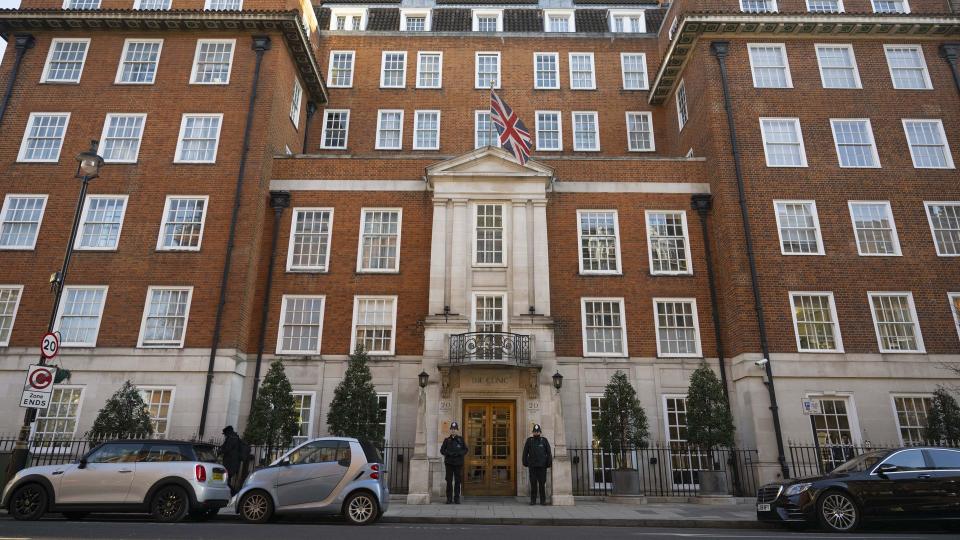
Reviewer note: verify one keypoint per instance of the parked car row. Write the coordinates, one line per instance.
(173, 480)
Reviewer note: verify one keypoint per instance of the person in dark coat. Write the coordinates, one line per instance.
(230, 452)
(453, 449)
(537, 458)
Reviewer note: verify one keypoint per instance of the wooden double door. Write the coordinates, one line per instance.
(490, 466)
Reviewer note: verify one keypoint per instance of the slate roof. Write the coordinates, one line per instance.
(655, 19)
(590, 20)
(383, 19)
(522, 20)
(452, 20)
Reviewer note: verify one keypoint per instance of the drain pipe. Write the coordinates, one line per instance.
(950, 52)
(311, 110)
(260, 44)
(720, 50)
(702, 202)
(279, 200)
(22, 43)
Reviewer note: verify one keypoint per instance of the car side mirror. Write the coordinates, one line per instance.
(82, 464)
(886, 468)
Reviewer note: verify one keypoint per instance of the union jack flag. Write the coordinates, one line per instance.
(514, 136)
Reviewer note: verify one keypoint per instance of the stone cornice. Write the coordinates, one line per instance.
(288, 23)
(814, 26)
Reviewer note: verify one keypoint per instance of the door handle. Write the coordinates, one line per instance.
(125, 470)
(924, 477)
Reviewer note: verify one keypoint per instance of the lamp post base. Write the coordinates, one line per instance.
(21, 452)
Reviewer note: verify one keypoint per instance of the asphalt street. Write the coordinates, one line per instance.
(126, 528)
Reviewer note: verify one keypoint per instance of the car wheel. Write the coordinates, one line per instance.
(838, 512)
(361, 508)
(75, 516)
(29, 502)
(256, 507)
(170, 504)
(204, 515)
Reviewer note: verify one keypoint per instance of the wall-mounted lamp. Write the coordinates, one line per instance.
(423, 379)
(557, 380)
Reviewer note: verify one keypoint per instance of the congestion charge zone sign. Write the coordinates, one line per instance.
(38, 387)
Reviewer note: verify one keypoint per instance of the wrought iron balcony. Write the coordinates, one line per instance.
(490, 347)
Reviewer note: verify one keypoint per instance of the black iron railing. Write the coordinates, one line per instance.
(814, 459)
(490, 347)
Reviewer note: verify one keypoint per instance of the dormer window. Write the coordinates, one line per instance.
(558, 20)
(415, 20)
(627, 22)
(488, 20)
(348, 19)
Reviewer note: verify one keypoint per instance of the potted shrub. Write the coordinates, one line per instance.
(621, 428)
(943, 419)
(709, 426)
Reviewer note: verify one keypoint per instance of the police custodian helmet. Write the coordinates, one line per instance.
(454, 425)
(536, 428)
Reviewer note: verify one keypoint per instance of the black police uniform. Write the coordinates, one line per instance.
(453, 449)
(537, 458)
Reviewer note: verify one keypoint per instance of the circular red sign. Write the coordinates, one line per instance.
(50, 345)
(41, 378)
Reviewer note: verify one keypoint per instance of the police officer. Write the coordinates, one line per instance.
(537, 458)
(453, 449)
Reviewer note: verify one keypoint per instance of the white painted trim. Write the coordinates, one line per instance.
(696, 327)
(559, 13)
(283, 311)
(649, 115)
(858, 83)
(6, 208)
(840, 8)
(933, 236)
(816, 224)
(943, 135)
(138, 3)
(325, 267)
(955, 310)
(686, 241)
(928, 84)
(536, 119)
(183, 127)
(348, 12)
(196, 58)
(353, 326)
(76, 417)
(323, 129)
(45, 77)
(146, 311)
(173, 398)
(616, 243)
(588, 441)
(23, 142)
(505, 249)
(896, 415)
(505, 321)
(296, 102)
(763, 136)
(62, 306)
(396, 268)
(774, 7)
(833, 313)
(416, 12)
(623, 326)
(682, 119)
(123, 56)
(666, 421)
(416, 117)
(646, 72)
(294, 184)
(13, 316)
(906, 7)
(786, 63)
(596, 125)
(556, 70)
(83, 222)
(476, 69)
(389, 416)
(353, 65)
(613, 13)
(376, 140)
(873, 143)
(313, 410)
(895, 238)
(913, 314)
(383, 70)
(420, 55)
(487, 12)
(206, 6)
(852, 417)
(163, 222)
(593, 70)
(103, 135)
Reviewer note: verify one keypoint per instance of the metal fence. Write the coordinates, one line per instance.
(814, 459)
(664, 471)
(490, 347)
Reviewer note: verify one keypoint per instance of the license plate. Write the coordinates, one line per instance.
(763, 508)
(218, 476)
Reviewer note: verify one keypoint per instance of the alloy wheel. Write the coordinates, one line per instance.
(361, 508)
(170, 504)
(27, 501)
(839, 512)
(254, 507)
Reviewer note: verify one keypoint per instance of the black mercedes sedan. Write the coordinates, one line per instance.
(917, 483)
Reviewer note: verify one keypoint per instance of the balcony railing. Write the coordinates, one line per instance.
(490, 347)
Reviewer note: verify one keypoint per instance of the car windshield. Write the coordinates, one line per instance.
(206, 453)
(861, 463)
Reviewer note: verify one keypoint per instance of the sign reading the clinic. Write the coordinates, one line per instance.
(487, 380)
(38, 387)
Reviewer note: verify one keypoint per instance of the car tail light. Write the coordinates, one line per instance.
(375, 467)
(375, 475)
(201, 472)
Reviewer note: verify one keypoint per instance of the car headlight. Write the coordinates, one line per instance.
(797, 489)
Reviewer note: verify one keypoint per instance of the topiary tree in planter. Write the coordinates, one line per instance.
(943, 419)
(123, 415)
(709, 424)
(274, 419)
(354, 411)
(621, 428)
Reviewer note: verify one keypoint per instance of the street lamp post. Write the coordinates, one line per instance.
(88, 168)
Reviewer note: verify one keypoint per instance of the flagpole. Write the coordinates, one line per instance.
(490, 116)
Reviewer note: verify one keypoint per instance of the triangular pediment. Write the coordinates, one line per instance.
(487, 162)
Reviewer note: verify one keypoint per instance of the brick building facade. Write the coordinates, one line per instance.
(823, 129)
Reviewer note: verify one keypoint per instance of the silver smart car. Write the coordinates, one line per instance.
(330, 475)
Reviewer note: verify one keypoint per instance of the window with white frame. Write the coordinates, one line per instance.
(9, 303)
(429, 69)
(954, 299)
(558, 20)
(340, 70)
(838, 66)
(668, 240)
(783, 142)
(120, 140)
(634, 69)
(182, 226)
(489, 313)
(379, 240)
(65, 60)
(488, 232)
(815, 322)
(81, 4)
(604, 328)
(374, 324)
(488, 20)
(546, 71)
(393, 69)
(336, 124)
(630, 22)
(599, 241)
(944, 219)
(389, 130)
(348, 19)
(303, 403)
(199, 138)
(798, 227)
(769, 65)
(59, 420)
(159, 401)
(678, 329)
(485, 134)
(835, 430)
(295, 102)
(911, 413)
(165, 317)
(874, 228)
(160, 5)
(758, 6)
(224, 5)
(212, 61)
(895, 321)
(890, 6)
(928, 144)
(582, 76)
(908, 68)
(686, 461)
(426, 130)
(139, 61)
(586, 136)
(101, 222)
(20, 220)
(415, 20)
(78, 318)
(640, 131)
(853, 138)
(825, 6)
(43, 137)
(681, 99)
(601, 462)
(488, 70)
(549, 132)
(310, 231)
(301, 324)
(384, 402)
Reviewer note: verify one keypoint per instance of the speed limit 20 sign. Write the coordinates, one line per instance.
(50, 345)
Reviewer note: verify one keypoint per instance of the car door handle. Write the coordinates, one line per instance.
(125, 470)
(924, 477)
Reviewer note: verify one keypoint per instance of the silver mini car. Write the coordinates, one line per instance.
(331, 475)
